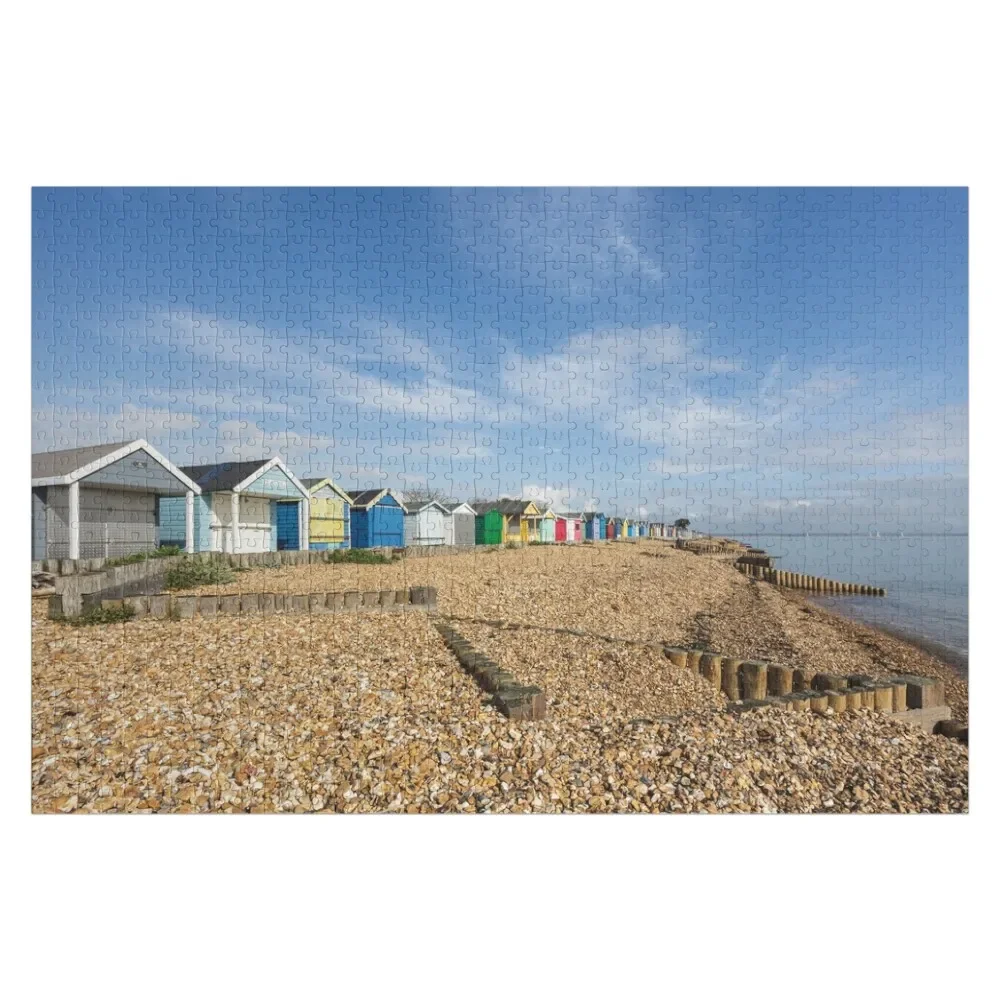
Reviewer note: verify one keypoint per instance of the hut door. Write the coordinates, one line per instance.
(288, 526)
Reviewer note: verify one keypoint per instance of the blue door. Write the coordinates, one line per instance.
(288, 526)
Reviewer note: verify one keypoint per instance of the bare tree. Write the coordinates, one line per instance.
(427, 495)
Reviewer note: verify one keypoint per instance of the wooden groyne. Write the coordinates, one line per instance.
(802, 581)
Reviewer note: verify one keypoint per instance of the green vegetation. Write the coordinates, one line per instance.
(356, 556)
(103, 616)
(137, 557)
(195, 574)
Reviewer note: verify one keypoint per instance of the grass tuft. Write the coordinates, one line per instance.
(194, 574)
(102, 616)
(356, 556)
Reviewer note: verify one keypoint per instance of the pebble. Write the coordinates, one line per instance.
(204, 726)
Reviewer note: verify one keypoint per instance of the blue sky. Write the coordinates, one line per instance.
(755, 359)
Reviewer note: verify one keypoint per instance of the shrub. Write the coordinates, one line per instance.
(103, 616)
(137, 557)
(356, 556)
(195, 574)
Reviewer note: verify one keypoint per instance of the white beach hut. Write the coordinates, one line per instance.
(424, 523)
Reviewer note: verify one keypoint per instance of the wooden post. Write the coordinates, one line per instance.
(711, 669)
(801, 679)
(818, 702)
(693, 659)
(677, 656)
(731, 677)
(753, 680)
(853, 699)
(883, 697)
(779, 679)
(837, 701)
(829, 682)
(189, 521)
(74, 520)
(898, 695)
(234, 513)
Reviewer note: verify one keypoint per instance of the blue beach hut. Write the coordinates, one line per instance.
(256, 506)
(376, 519)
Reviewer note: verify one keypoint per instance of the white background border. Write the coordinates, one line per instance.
(520, 93)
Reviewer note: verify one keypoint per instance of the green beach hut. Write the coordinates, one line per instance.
(489, 524)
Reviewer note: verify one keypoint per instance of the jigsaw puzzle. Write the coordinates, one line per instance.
(499, 500)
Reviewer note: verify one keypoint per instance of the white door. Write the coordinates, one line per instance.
(255, 524)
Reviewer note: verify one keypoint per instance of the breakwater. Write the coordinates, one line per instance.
(805, 581)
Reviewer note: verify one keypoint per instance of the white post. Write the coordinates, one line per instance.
(74, 520)
(189, 521)
(235, 508)
(303, 524)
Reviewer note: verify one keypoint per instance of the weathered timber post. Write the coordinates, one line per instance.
(779, 679)
(710, 668)
(731, 677)
(753, 680)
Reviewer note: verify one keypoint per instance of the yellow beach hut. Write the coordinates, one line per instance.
(329, 515)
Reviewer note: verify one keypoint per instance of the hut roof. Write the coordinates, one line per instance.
(62, 463)
(504, 506)
(368, 498)
(453, 507)
(222, 475)
(70, 464)
(228, 476)
(315, 484)
(415, 506)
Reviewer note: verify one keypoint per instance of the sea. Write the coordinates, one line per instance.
(926, 578)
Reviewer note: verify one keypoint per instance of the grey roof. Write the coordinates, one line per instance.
(47, 464)
(413, 506)
(310, 483)
(365, 498)
(453, 506)
(583, 515)
(222, 475)
(504, 506)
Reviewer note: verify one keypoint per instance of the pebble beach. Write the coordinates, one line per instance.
(370, 712)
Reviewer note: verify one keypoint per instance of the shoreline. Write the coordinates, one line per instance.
(949, 657)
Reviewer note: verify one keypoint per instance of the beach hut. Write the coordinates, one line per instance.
(255, 506)
(101, 501)
(563, 527)
(519, 520)
(572, 529)
(594, 526)
(329, 515)
(522, 520)
(547, 527)
(490, 526)
(460, 524)
(424, 523)
(376, 519)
